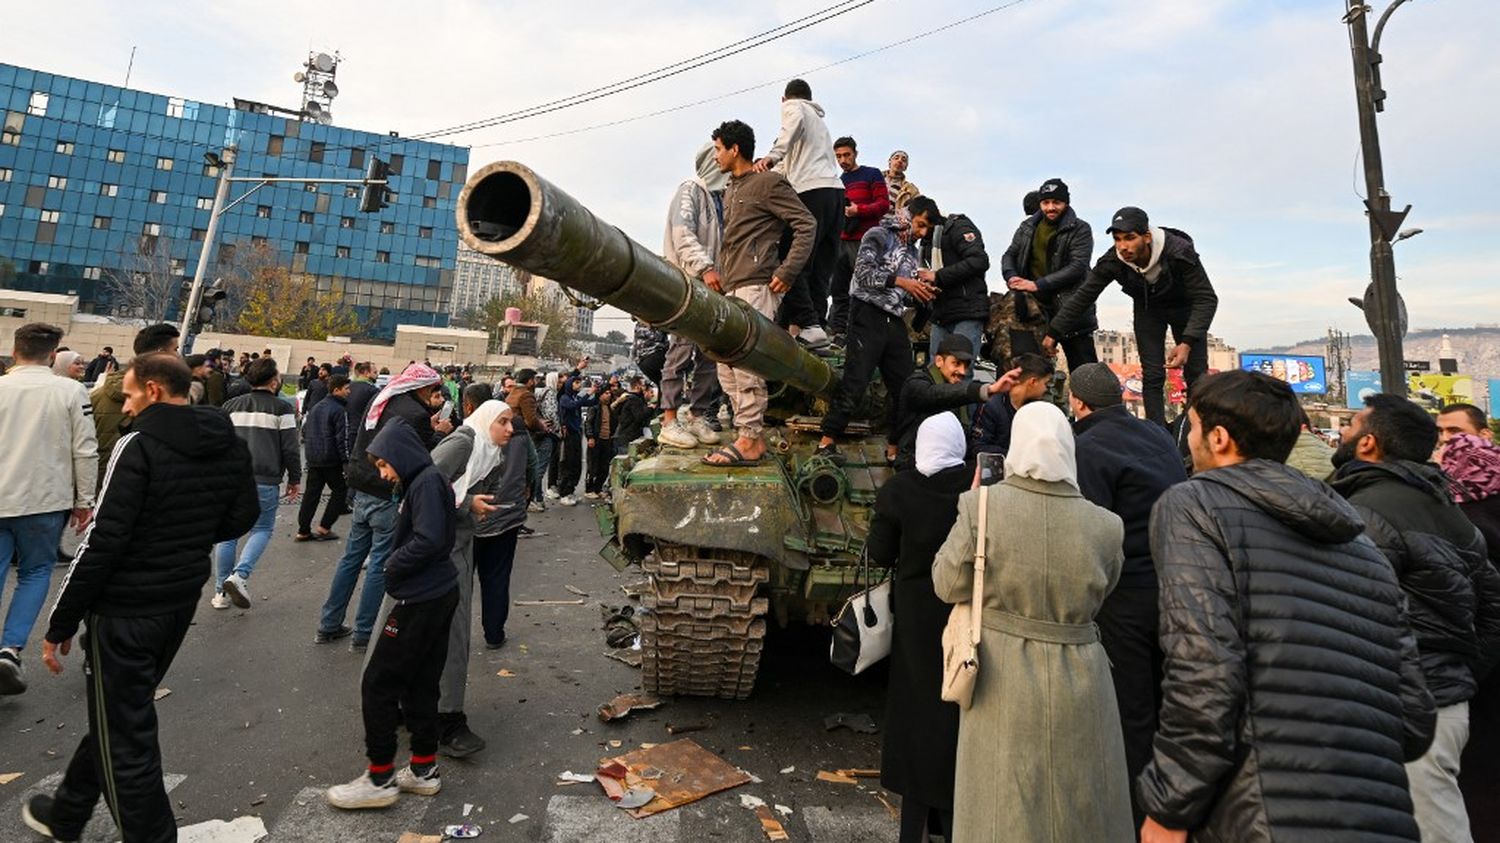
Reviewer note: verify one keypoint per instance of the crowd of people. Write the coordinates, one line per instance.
(1233, 632)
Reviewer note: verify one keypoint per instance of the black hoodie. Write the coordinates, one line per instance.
(418, 568)
(176, 484)
(1440, 557)
(1183, 282)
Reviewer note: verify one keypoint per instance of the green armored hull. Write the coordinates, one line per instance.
(724, 548)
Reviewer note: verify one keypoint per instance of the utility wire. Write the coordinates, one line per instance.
(695, 103)
(665, 72)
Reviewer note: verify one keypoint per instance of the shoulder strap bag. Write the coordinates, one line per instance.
(961, 635)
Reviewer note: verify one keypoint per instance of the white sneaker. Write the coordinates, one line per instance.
(535, 506)
(220, 601)
(677, 435)
(363, 792)
(237, 590)
(567, 500)
(409, 782)
(814, 337)
(551, 494)
(703, 432)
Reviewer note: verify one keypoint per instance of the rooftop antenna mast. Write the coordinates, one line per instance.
(318, 86)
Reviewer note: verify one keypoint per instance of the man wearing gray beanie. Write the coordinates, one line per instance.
(1124, 465)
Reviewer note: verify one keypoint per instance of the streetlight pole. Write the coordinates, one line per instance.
(1384, 318)
(190, 313)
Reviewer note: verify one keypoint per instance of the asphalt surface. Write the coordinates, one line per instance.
(260, 720)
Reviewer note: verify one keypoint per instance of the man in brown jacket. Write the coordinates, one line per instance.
(757, 206)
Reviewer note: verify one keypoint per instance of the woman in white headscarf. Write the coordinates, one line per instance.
(473, 458)
(69, 364)
(913, 513)
(1040, 756)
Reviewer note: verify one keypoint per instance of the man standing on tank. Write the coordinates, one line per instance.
(803, 153)
(757, 206)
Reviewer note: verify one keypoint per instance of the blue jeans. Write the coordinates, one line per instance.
(255, 540)
(544, 447)
(34, 539)
(973, 329)
(371, 534)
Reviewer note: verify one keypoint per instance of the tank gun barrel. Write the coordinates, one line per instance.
(510, 213)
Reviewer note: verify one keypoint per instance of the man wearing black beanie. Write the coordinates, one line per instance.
(1047, 260)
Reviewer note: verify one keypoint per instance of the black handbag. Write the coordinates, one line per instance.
(863, 627)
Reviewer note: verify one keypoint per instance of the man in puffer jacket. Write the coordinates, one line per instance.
(1292, 692)
(1451, 588)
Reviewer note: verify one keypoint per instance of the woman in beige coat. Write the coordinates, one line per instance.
(1040, 753)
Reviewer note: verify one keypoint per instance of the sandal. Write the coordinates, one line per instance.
(735, 457)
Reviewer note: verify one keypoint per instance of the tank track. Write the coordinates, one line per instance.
(706, 627)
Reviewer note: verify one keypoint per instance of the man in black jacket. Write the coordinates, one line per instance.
(412, 396)
(362, 390)
(953, 251)
(325, 439)
(630, 415)
(1124, 465)
(177, 482)
(1160, 270)
(1452, 590)
(1047, 260)
(943, 386)
(1292, 689)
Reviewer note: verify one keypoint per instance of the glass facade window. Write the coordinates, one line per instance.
(398, 267)
(93, 273)
(306, 217)
(101, 223)
(164, 164)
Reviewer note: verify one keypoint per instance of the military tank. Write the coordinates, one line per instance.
(723, 547)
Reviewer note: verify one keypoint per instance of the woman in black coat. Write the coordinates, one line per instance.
(913, 515)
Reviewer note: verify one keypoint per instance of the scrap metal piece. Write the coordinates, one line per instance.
(626, 703)
(636, 797)
(688, 772)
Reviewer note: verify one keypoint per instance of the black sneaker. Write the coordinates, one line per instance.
(495, 645)
(11, 679)
(36, 812)
(324, 637)
(358, 644)
(459, 741)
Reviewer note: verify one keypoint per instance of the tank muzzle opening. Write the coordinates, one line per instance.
(498, 206)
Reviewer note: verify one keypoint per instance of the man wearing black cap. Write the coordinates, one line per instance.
(1046, 262)
(1124, 465)
(943, 386)
(1160, 270)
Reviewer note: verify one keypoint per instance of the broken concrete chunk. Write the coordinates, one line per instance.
(626, 703)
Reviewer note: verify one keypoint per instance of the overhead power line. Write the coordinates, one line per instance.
(657, 75)
(769, 83)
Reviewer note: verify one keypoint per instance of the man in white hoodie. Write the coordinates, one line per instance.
(695, 230)
(803, 153)
(47, 478)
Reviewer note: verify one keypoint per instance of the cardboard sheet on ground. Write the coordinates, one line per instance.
(688, 772)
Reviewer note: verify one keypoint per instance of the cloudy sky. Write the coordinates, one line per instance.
(1231, 119)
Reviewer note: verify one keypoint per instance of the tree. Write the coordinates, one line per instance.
(144, 283)
(615, 337)
(281, 303)
(557, 314)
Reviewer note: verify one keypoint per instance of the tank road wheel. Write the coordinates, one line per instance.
(706, 627)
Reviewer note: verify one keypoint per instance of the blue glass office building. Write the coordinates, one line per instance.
(91, 175)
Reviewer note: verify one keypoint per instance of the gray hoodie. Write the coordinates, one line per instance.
(803, 152)
(695, 220)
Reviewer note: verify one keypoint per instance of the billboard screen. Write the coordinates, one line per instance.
(1304, 374)
(1360, 385)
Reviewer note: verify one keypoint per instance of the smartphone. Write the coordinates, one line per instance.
(991, 469)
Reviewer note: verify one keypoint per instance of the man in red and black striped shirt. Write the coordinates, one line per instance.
(865, 202)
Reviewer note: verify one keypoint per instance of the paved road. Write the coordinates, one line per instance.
(260, 720)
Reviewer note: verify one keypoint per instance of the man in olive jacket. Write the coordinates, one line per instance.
(1452, 589)
(1292, 691)
(1048, 258)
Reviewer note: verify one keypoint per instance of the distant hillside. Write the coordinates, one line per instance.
(1477, 349)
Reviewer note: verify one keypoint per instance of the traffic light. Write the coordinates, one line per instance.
(208, 304)
(372, 198)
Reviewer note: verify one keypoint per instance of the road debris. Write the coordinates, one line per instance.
(683, 772)
(768, 822)
(626, 703)
(7, 778)
(519, 818)
(161, 693)
(625, 655)
(573, 589)
(788, 770)
(549, 602)
(825, 776)
(239, 830)
(860, 774)
(636, 797)
(414, 837)
(468, 808)
(570, 777)
(259, 800)
(889, 808)
(464, 831)
(506, 673)
(685, 728)
(862, 723)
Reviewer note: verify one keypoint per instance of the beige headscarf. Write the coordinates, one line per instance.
(486, 454)
(63, 360)
(1041, 445)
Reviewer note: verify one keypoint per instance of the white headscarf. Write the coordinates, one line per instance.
(940, 444)
(486, 454)
(1041, 445)
(63, 361)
